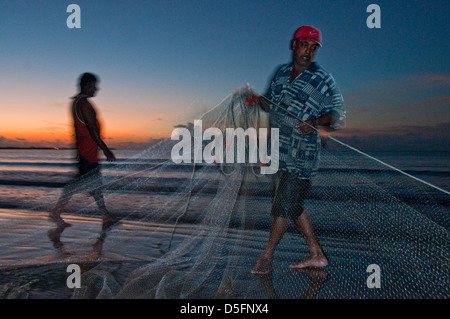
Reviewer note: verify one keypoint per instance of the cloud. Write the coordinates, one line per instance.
(14, 142)
(430, 80)
(19, 142)
(428, 130)
(55, 130)
(398, 138)
(409, 82)
(357, 110)
(420, 105)
(131, 145)
(189, 126)
(58, 104)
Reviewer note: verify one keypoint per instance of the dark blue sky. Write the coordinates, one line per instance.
(159, 61)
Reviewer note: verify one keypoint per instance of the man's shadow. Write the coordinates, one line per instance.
(316, 278)
(54, 235)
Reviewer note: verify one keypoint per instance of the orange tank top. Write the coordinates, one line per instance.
(85, 144)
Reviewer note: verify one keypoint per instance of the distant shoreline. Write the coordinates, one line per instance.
(37, 148)
(115, 149)
(42, 148)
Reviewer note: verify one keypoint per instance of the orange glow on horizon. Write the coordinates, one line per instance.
(39, 124)
(23, 136)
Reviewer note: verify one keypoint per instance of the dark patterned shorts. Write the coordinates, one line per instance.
(289, 196)
(89, 175)
(85, 167)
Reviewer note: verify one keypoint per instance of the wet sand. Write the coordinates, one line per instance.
(35, 254)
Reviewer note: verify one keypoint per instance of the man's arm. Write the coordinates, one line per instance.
(89, 117)
(333, 110)
(325, 121)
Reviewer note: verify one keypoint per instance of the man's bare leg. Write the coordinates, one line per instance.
(316, 258)
(55, 214)
(277, 229)
(100, 201)
(316, 277)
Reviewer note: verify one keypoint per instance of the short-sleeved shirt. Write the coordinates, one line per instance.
(85, 144)
(309, 96)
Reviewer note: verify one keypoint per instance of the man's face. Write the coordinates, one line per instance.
(304, 52)
(90, 89)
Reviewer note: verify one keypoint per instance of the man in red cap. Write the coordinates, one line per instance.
(309, 92)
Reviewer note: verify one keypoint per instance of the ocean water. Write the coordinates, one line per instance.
(25, 169)
(362, 212)
(136, 183)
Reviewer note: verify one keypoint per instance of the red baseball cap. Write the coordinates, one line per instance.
(309, 33)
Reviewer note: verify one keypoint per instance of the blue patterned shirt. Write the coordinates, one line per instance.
(312, 94)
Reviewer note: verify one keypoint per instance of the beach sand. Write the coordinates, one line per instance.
(34, 258)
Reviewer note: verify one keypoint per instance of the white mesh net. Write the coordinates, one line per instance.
(196, 230)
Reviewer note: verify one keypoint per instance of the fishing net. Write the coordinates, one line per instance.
(198, 223)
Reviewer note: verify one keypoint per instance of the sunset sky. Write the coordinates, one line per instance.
(161, 63)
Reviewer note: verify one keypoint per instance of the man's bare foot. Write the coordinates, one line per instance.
(313, 274)
(55, 236)
(312, 261)
(317, 278)
(56, 218)
(263, 266)
(109, 219)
